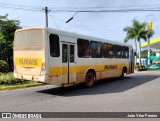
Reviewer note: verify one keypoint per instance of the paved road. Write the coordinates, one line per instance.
(138, 92)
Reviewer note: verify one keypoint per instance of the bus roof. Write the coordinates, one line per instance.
(75, 35)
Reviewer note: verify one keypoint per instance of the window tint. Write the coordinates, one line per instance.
(96, 49)
(107, 50)
(125, 52)
(54, 45)
(72, 53)
(83, 48)
(117, 51)
(64, 53)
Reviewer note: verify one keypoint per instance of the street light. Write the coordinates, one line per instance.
(71, 18)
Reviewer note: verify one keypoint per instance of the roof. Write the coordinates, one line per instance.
(72, 34)
(155, 44)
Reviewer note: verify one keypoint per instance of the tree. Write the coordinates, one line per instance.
(131, 34)
(137, 32)
(144, 53)
(7, 29)
(149, 35)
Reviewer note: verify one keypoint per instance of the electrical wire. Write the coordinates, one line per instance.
(25, 15)
(57, 18)
(137, 8)
(114, 10)
(13, 5)
(54, 21)
(24, 9)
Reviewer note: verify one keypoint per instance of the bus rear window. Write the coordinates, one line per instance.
(54, 45)
(29, 40)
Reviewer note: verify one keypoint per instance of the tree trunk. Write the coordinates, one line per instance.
(136, 51)
(139, 52)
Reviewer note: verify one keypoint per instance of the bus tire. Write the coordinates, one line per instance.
(90, 79)
(122, 74)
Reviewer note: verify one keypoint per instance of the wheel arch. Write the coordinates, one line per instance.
(91, 70)
(124, 69)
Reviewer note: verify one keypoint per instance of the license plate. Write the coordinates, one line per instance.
(27, 69)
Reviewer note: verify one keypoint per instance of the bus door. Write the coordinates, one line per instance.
(131, 62)
(68, 63)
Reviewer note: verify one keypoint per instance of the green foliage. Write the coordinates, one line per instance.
(25, 84)
(139, 66)
(7, 29)
(8, 79)
(144, 53)
(137, 31)
(142, 69)
(4, 67)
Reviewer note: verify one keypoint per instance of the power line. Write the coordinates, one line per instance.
(13, 5)
(103, 11)
(82, 9)
(25, 15)
(24, 9)
(98, 9)
(38, 7)
(57, 18)
(54, 21)
(106, 7)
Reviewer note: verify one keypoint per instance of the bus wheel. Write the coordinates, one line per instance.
(122, 74)
(90, 78)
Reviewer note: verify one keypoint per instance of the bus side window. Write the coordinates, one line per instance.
(83, 48)
(99, 50)
(125, 52)
(72, 53)
(96, 49)
(54, 45)
(107, 50)
(117, 51)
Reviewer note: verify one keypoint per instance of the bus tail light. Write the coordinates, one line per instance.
(42, 69)
(15, 69)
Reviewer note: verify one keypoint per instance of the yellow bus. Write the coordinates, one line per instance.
(62, 58)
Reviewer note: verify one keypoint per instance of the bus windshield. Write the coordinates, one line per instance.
(29, 40)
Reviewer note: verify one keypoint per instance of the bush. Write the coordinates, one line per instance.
(6, 78)
(9, 79)
(139, 67)
(4, 67)
(142, 69)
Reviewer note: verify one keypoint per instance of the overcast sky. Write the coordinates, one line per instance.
(103, 25)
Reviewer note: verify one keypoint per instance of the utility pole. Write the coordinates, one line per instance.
(46, 14)
(149, 47)
(149, 25)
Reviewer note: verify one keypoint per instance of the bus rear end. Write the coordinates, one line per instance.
(29, 54)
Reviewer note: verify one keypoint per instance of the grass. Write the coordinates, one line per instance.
(20, 85)
(7, 82)
(7, 79)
